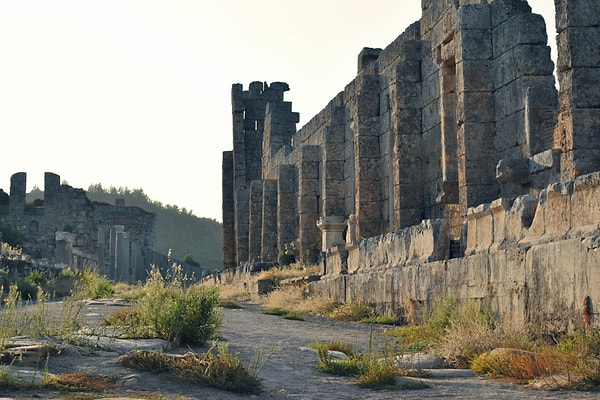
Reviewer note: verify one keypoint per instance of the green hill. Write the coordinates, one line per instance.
(191, 239)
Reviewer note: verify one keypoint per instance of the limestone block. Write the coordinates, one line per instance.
(504, 71)
(507, 288)
(473, 16)
(576, 13)
(558, 208)
(409, 197)
(474, 44)
(475, 107)
(421, 244)
(541, 104)
(501, 11)
(560, 273)
(586, 128)
(431, 87)
(408, 71)
(474, 76)
(576, 84)
(520, 29)
(407, 122)
(520, 217)
(533, 60)
(480, 225)
(367, 104)
(405, 95)
(514, 170)
(476, 280)
(585, 203)
(353, 260)
(510, 135)
(498, 209)
(431, 115)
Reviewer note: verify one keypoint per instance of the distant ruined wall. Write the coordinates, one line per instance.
(450, 154)
(67, 228)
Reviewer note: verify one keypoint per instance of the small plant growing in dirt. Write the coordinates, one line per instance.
(173, 309)
(218, 368)
(370, 370)
(360, 312)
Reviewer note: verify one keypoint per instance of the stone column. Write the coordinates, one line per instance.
(18, 189)
(269, 250)
(240, 206)
(578, 130)
(332, 184)
(229, 249)
(255, 221)
(367, 157)
(406, 99)
(332, 230)
(64, 247)
(475, 107)
(309, 204)
(287, 198)
(123, 262)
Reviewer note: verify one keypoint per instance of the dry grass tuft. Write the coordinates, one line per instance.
(294, 299)
(81, 381)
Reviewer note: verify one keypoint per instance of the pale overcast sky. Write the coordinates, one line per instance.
(137, 93)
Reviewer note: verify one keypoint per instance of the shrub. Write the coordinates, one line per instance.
(220, 368)
(379, 375)
(94, 285)
(474, 321)
(28, 289)
(178, 312)
(11, 234)
(348, 367)
(38, 278)
(352, 312)
(371, 372)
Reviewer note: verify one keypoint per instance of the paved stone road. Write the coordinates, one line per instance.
(289, 371)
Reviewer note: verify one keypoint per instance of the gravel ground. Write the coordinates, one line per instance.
(289, 371)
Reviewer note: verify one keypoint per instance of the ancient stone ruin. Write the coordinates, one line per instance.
(451, 165)
(68, 229)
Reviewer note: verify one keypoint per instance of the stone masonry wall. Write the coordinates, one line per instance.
(67, 228)
(452, 152)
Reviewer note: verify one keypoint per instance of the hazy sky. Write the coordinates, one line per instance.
(137, 93)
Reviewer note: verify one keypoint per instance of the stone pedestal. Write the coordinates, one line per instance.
(332, 229)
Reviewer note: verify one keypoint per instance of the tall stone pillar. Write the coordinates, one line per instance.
(287, 220)
(255, 221)
(475, 107)
(239, 168)
(309, 200)
(123, 262)
(228, 211)
(332, 183)
(51, 189)
(578, 129)
(269, 250)
(367, 156)
(407, 152)
(18, 189)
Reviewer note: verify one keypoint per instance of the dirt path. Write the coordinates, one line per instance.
(289, 371)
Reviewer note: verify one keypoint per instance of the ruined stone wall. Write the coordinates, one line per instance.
(452, 141)
(67, 228)
(534, 260)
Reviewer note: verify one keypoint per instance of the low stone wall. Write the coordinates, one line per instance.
(532, 260)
